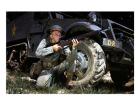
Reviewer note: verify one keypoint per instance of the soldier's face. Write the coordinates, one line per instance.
(55, 36)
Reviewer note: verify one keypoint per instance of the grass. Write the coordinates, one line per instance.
(16, 85)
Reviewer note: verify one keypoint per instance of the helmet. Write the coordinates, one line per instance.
(55, 27)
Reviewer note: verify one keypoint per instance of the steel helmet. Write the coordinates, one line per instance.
(55, 27)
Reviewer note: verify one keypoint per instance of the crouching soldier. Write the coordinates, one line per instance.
(51, 60)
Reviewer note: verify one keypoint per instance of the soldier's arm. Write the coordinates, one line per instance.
(42, 50)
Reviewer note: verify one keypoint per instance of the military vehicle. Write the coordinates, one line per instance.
(105, 45)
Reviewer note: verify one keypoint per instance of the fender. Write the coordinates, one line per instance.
(78, 28)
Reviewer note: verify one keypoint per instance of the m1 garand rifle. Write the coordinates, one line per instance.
(68, 42)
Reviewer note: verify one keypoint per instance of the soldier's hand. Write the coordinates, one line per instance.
(75, 42)
(71, 83)
(56, 48)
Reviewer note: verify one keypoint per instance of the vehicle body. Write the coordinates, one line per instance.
(114, 41)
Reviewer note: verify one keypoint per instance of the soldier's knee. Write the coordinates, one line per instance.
(44, 80)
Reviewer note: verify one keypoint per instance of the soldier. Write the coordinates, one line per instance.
(49, 48)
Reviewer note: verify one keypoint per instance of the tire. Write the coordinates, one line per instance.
(96, 65)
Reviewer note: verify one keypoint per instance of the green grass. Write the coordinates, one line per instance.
(15, 85)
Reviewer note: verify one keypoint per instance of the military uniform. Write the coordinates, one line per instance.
(43, 70)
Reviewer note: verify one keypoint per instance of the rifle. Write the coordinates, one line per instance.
(63, 43)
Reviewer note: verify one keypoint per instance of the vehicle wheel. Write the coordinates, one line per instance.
(90, 63)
